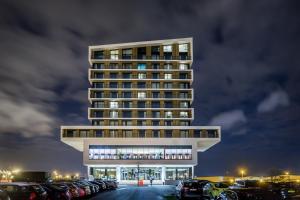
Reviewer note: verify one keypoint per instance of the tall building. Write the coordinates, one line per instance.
(140, 112)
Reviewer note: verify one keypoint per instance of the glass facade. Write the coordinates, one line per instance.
(100, 152)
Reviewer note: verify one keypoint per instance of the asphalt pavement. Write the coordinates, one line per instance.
(159, 192)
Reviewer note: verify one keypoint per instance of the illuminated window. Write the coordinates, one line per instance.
(167, 48)
(141, 66)
(183, 114)
(113, 114)
(113, 104)
(168, 114)
(183, 66)
(168, 76)
(141, 95)
(183, 47)
(168, 66)
(114, 54)
(141, 76)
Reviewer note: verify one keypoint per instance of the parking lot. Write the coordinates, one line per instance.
(160, 192)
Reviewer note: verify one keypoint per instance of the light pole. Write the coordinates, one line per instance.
(242, 172)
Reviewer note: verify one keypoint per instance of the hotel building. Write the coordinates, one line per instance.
(141, 114)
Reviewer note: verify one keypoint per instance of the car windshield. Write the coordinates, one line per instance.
(37, 189)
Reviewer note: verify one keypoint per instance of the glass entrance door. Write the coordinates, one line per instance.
(141, 173)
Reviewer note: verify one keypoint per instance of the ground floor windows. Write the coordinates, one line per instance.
(131, 173)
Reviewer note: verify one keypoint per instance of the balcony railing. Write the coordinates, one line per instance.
(143, 57)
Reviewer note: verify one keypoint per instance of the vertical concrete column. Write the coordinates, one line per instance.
(163, 174)
(192, 171)
(118, 173)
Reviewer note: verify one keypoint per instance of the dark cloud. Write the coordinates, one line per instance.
(244, 52)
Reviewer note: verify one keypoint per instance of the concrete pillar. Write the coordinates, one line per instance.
(163, 174)
(192, 171)
(118, 173)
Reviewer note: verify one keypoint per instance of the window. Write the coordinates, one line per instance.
(126, 65)
(113, 104)
(113, 85)
(183, 47)
(127, 104)
(127, 85)
(141, 104)
(99, 133)
(196, 133)
(98, 75)
(126, 75)
(167, 48)
(142, 133)
(98, 65)
(155, 66)
(184, 133)
(155, 95)
(184, 104)
(142, 114)
(113, 133)
(155, 133)
(113, 66)
(168, 114)
(126, 53)
(155, 85)
(98, 55)
(98, 114)
(155, 123)
(127, 133)
(98, 85)
(168, 95)
(168, 66)
(168, 85)
(141, 95)
(168, 104)
(168, 76)
(184, 85)
(183, 76)
(184, 123)
(155, 104)
(127, 114)
(141, 76)
(114, 95)
(155, 52)
(83, 133)
(141, 122)
(127, 123)
(98, 104)
(183, 114)
(183, 95)
(141, 66)
(155, 114)
(141, 53)
(127, 95)
(113, 75)
(155, 75)
(98, 95)
(114, 54)
(168, 123)
(183, 66)
(113, 114)
(168, 133)
(113, 123)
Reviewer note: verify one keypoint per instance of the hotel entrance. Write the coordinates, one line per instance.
(141, 173)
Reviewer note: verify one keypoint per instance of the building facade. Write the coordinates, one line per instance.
(140, 112)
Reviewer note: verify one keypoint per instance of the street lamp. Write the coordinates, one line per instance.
(242, 172)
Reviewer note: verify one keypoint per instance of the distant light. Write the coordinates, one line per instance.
(287, 173)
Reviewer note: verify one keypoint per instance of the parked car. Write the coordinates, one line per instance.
(101, 184)
(286, 190)
(92, 187)
(57, 191)
(73, 189)
(245, 184)
(110, 184)
(191, 189)
(213, 190)
(85, 188)
(248, 194)
(20, 190)
(4, 195)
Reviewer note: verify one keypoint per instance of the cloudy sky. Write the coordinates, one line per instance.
(246, 69)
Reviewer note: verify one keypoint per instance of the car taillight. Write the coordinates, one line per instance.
(185, 188)
(32, 196)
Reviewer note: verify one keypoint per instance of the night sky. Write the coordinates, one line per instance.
(246, 75)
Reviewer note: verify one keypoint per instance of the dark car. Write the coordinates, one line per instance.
(245, 184)
(20, 190)
(111, 185)
(101, 184)
(57, 191)
(4, 195)
(92, 187)
(248, 194)
(191, 189)
(286, 190)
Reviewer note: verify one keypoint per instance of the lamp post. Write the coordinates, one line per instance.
(242, 172)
